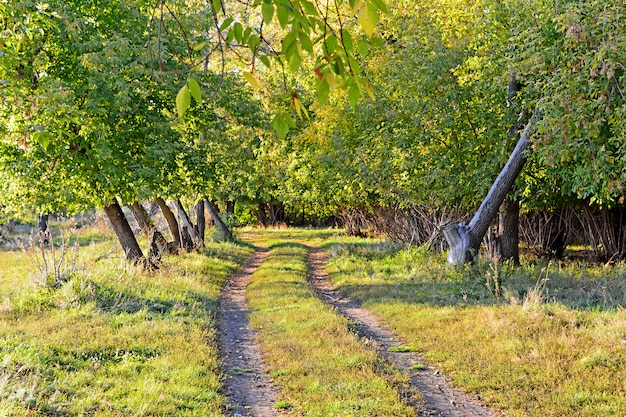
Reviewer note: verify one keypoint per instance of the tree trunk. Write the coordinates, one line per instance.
(189, 237)
(172, 223)
(261, 214)
(230, 208)
(228, 236)
(200, 221)
(143, 219)
(42, 228)
(124, 233)
(509, 231)
(464, 239)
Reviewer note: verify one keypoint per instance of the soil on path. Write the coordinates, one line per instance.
(249, 390)
(440, 398)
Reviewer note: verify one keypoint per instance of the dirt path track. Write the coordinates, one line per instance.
(249, 390)
(440, 398)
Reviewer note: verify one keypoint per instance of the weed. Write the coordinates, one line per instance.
(401, 349)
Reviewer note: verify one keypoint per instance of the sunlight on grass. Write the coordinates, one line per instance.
(321, 368)
(547, 340)
(106, 339)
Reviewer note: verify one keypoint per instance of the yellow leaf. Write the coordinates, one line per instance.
(251, 79)
(332, 80)
(304, 110)
(296, 104)
(368, 88)
(366, 23)
(183, 100)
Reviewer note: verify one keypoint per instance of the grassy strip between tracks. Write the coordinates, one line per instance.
(320, 367)
(547, 340)
(102, 339)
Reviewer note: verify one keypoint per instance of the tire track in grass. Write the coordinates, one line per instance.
(321, 367)
(440, 398)
(249, 390)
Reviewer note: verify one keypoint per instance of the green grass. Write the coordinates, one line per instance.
(321, 368)
(545, 341)
(109, 340)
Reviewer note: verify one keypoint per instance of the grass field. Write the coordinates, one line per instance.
(80, 337)
(104, 339)
(546, 339)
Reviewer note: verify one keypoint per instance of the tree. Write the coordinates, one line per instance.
(84, 113)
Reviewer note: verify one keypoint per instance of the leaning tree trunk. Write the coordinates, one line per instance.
(228, 236)
(464, 239)
(172, 223)
(124, 233)
(143, 219)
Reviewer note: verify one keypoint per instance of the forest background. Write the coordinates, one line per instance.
(391, 118)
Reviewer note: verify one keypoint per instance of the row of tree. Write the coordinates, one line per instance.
(410, 128)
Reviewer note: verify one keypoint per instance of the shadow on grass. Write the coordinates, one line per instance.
(383, 271)
(111, 300)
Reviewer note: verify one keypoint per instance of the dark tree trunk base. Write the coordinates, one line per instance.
(124, 233)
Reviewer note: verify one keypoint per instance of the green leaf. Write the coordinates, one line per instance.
(226, 23)
(310, 8)
(280, 125)
(194, 88)
(246, 35)
(380, 5)
(323, 91)
(354, 94)
(268, 12)
(363, 47)
(283, 15)
(295, 60)
(305, 41)
(238, 32)
(347, 41)
(183, 100)
(265, 60)
(217, 5)
(331, 43)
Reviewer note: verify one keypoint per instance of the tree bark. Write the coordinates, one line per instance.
(464, 239)
(228, 236)
(230, 208)
(143, 219)
(261, 215)
(509, 231)
(200, 220)
(172, 223)
(42, 228)
(124, 233)
(189, 236)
